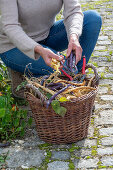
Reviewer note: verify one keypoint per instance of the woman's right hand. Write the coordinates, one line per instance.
(47, 55)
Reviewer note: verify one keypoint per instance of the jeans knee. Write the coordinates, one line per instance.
(94, 18)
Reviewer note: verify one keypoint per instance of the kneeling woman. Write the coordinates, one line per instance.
(29, 34)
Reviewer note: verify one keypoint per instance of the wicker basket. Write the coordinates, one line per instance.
(53, 128)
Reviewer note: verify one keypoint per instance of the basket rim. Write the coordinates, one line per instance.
(77, 99)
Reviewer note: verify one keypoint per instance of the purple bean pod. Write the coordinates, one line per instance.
(44, 78)
(75, 69)
(71, 61)
(74, 62)
(56, 94)
(54, 86)
(67, 62)
(65, 67)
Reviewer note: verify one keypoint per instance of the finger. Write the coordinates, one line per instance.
(78, 54)
(48, 61)
(69, 50)
(57, 57)
(62, 62)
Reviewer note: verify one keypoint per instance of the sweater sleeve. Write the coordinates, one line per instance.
(73, 17)
(12, 28)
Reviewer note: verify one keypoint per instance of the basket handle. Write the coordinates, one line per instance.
(89, 65)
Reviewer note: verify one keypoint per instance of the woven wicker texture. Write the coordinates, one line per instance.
(55, 129)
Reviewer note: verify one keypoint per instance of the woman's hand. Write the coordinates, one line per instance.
(47, 55)
(74, 45)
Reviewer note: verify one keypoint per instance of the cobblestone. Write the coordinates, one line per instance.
(104, 106)
(101, 69)
(82, 153)
(86, 143)
(58, 165)
(107, 141)
(103, 90)
(101, 64)
(103, 37)
(104, 42)
(106, 118)
(106, 82)
(25, 158)
(89, 163)
(101, 53)
(99, 59)
(111, 69)
(106, 131)
(100, 47)
(107, 97)
(105, 151)
(107, 161)
(60, 155)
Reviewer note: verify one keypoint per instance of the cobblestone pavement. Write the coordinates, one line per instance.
(94, 152)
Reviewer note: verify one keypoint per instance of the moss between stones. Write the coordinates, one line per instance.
(92, 120)
(109, 58)
(74, 148)
(94, 147)
(76, 157)
(102, 75)
(102, 136)
(93, 5)
(101, 166)
(44, 146)
(96, 132)
(88, 157)
(71, 166)
(93, 152)
(110, 52)
(95, 64)
(98, 141)
(46, 161)
(111, 166)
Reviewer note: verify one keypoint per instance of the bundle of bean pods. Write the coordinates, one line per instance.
(55, 87)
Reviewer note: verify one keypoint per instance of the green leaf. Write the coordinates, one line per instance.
(2, 101)
(30, 121)
(23, 123)
(22, 133)
(55, 104)
(16, 122)
(1, 77)
(21, 85)
(8, 118)
(48, 95)
(61, 111)
(24, 115)
(1, 159)
(2, 112)
(57, 108)
(1, 129)
(19, 129)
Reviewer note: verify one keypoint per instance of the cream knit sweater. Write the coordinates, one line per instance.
(25, 22)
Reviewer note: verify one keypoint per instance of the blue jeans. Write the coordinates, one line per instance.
(57, 41)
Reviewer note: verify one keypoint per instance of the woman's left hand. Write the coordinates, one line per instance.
(74, 45)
